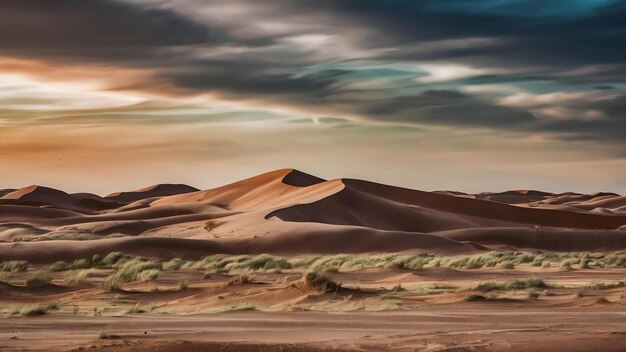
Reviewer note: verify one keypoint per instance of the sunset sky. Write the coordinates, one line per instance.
(465, 95)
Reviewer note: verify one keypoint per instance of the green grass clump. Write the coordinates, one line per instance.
(75, 265)
(33, 310)
(533, 294)
(490, 286)
(174, 264)
(78, 276)
(513, 285)
(40, 278)
(508, 265)
(266, 262)
(320, 281)
(109, 260)
(528, 283)
(130, 271)
(14, 266)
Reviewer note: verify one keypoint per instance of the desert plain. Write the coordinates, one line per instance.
(286, 261)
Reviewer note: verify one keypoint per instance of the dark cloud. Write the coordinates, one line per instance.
(240, 57)
(99, 29)
(447, 107)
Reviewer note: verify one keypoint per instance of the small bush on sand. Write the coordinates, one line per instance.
(528, 283)
(174, 264)
(533, 294)
(78, 276)
(212, 224)
(475, 297)
(109, 260)
(490, 286)
(77, 264)
(33, 310)
(133, 270)
(320, 281)
(14, 266)
(508, 265)
(40, 278)
(265, 262)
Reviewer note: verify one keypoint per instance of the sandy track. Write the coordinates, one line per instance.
(489, 327)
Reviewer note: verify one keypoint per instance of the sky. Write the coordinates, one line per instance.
(491, 95)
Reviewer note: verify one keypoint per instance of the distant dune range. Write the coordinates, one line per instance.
(289, 212)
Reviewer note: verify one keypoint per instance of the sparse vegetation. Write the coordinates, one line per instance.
(133, 270)
(212, 224)
(63, 266)
(40, 278)
(475, 297)
(78, 276)
(320, 281)
(140, 309)
(14, 266)
(513, 285)
(33, 310)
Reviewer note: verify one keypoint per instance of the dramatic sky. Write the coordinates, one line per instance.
(105, 95)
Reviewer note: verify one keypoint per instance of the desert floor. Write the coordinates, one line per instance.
(363, 306)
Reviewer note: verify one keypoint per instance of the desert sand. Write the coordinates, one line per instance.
(289, 261)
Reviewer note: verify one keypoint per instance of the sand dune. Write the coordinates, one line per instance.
(289, 212)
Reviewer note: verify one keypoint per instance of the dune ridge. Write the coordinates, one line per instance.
(287, 211)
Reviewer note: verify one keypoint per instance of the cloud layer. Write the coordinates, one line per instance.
(551, 70)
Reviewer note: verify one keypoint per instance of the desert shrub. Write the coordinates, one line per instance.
(33, 310)
(14, 266)
(545, 264)
(528, 283)
(533, 294)
(584, 263)
(39, 278)
(537, 262)
(508, 265)
(513, 285)
(475, 297)
(320, 281)
(490, 286)
(133, 270)
(183, 285)
(174, 264)
(605, 286)
(78, 276)
(268, 262)
(58, 266)
(525, 258)
(109, 260)
(148, 275)
(211, 224)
